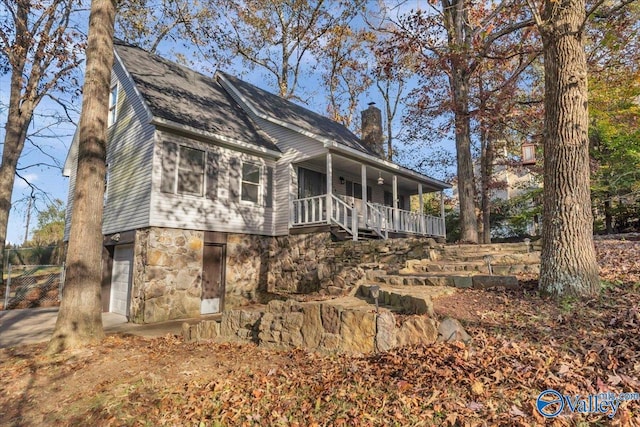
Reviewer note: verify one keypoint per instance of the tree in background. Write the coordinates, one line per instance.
(280, 36)
(40, 49)
(80, 317)
(613, 54)
(345, 58)
(452, 41)
(148, 23)
(50, 228)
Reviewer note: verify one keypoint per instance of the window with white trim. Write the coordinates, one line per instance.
(250, 182)
(113, 105)
(190, 171)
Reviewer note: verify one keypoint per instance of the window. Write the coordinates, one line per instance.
(388, 200)
(355, 189)
(185, 171)
(113, 105)
(311, 183)
(190, 171)
(250, 182)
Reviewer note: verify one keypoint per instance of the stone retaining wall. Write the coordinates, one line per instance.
(326, 327)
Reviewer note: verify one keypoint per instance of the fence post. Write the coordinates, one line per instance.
(8, 284)
(61, 282)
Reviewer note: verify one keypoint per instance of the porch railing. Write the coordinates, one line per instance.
(309, 211)
(381, 219)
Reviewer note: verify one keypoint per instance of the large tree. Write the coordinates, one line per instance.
(149, 23)
(80, 317)
(452, 40)
(40, 50)
(568, 260)
(345, 58)
(279, 37)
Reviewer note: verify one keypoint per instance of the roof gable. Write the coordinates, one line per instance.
(180, 95)
(275, 107)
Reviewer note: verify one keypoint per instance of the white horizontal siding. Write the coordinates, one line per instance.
(129, 159)
(199, 212)
(129, 152)
(73, 157)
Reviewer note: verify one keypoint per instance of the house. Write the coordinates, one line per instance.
(211, 180)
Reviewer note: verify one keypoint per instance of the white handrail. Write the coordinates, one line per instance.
(377, 221)
(380, 218)
(401, 221)
(345, 216)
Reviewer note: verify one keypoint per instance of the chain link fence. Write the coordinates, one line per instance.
(30, 286)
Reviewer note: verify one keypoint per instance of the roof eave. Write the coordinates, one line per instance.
(387, 165)
(224, 140)
(133, 84)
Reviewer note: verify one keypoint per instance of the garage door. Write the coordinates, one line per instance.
(121, 279)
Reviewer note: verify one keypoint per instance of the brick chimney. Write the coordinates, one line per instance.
(372, 130)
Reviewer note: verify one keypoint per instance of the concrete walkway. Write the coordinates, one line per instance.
(30, 326)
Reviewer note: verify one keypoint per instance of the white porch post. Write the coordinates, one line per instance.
(363, 176)
(329, 187)
(442, 222)
(421, 209)
(396, 219)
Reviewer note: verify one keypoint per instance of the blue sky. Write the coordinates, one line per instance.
(48, 180)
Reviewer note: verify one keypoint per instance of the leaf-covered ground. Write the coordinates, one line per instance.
(523, 344)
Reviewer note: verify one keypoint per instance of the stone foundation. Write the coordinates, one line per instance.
(167, 276)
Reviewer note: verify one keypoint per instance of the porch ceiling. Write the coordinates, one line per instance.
(352, 167)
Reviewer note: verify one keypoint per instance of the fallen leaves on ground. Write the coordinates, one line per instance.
(523, 344)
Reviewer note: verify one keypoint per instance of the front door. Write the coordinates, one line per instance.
(212, 279)
(121, 279)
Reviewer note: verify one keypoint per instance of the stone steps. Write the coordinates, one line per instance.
(492, 248)
(467, 279)
(406, 299)
(469, 268)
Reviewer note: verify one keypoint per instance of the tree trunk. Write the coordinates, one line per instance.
(485, 200)
(18, 119)
(466, 189)
(568, 261)
(80, 317)
(459, 34)
(608, 216)
(486, 166)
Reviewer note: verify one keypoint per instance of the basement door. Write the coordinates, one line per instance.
(121, 279)
(212, 279)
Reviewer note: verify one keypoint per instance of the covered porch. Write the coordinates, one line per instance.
(329, 190)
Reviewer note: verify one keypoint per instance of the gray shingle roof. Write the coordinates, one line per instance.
(279, 108)
(178, 94)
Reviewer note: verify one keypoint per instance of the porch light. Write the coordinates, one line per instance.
(341, 180)
(380, 178)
